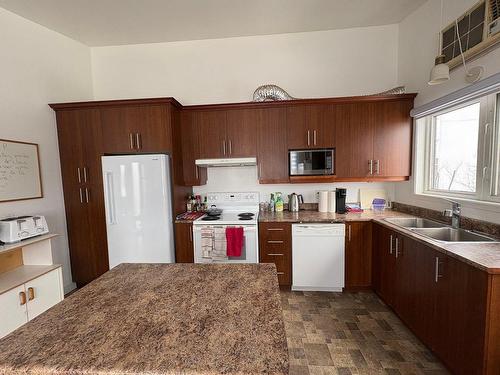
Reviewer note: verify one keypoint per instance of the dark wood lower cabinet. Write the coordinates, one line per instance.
(184, 249)
(275, 246)
(358, 255)
(446, 302)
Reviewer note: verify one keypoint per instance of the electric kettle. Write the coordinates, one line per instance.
(294, 201)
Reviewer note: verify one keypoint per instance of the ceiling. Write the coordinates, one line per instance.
(115, 22)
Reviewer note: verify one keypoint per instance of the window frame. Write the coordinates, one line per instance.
(488, 153)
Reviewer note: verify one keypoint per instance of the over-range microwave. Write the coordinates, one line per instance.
(312, 162)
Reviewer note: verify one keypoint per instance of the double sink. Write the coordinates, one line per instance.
(438, 231)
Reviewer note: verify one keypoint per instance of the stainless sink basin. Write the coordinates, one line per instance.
(415, 222)
(448, 234)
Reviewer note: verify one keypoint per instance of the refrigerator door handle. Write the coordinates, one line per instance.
(110, 198)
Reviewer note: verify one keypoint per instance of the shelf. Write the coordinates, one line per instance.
(23, 243)
(23, 274)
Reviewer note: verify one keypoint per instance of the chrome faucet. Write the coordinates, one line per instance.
(454, 213)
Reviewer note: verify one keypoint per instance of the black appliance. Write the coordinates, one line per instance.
(340, 197)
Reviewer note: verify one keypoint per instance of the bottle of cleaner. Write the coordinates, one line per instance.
(272, 204)
(279, 202)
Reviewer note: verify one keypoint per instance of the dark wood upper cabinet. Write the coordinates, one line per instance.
(310, 126)
(358, 255)
(272, 154)
(211, 127)
(241, 133)
(392, 138)
(190, 139)
(144, 128)
(354, 139)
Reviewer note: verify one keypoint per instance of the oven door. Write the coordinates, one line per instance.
(311, 162)
(249, 252)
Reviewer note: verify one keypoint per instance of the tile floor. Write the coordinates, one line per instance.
(350, 333)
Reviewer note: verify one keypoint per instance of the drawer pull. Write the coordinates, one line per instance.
(274, 241)
(31, 294)
(22, 298)
(280, 273)
(275, 254)
(275, 229)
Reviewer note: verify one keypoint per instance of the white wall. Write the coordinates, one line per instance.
(418, 35)
(315, 64)
(228, 179)
(38, 67)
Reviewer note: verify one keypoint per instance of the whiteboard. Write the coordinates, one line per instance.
(19, 171)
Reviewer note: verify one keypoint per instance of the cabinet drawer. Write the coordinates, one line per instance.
(283, 267)
(275, 231)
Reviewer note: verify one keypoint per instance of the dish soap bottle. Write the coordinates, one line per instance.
(279, 202)
(272, 203)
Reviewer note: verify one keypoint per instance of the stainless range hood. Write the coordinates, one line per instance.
(227, 162)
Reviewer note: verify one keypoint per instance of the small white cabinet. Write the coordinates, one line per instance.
(27, 301)
(13, 314)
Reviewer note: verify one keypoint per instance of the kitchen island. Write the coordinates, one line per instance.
(159, 319)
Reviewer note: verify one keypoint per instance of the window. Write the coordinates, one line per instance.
(478, 29)
(461, 151)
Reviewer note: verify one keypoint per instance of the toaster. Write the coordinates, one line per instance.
(14, 229)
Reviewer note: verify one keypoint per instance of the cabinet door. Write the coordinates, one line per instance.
(387, 265)
(241, 132)
(136, 128)
(43, 293)
(13, 314)
(358, 255)
(190, 139)
(184, 250)
(354, 139)
(405, 252)
(211, 127)
(272, 154)
(299, 135)
(392, 139)
(321, 123)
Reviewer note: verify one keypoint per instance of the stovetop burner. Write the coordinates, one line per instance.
(246, 218)
(246, 214)
(210, 218)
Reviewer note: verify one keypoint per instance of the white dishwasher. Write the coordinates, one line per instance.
(318, 255)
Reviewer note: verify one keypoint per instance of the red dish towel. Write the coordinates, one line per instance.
(234, 238)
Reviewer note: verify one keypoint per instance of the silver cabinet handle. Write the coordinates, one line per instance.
(85, 174)
(87, 195)
(274, 241)
(191, 235)
(79, 175)
(196, 171)
(390, 246)
(131, 138)
(370, 165)
(377, 166)
(396, 240)
(224, 147)
(274, 254)
(230, 147)
(349, 232)
(275, 229)
(314, 137)
(308, 138)
(138, 140)
(280, 273)
(259, 171)
(437, 276)
(81, 196)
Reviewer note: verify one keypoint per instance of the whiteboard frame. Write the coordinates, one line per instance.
(40, 186)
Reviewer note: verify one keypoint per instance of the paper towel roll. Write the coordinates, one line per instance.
(323, 201)
(331, 201)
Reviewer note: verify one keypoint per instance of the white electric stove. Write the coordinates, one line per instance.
(239, 209)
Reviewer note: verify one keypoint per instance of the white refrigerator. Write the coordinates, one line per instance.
(138, 203)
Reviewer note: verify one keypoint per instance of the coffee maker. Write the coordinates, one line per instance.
(340, 197)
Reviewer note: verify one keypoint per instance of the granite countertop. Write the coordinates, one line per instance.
(485, 256)
(159, 319)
